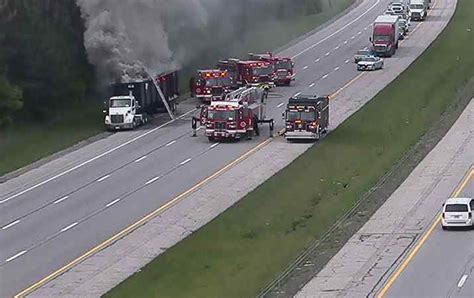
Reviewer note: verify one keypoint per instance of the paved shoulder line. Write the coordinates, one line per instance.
(92, 159)
(464, 182)
(139, 223)
(337, 31)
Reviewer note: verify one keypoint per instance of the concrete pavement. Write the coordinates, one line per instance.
(362, 267)
(108, 267)
(57, 212)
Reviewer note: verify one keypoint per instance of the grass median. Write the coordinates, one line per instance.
(25, 143)
(243, 249)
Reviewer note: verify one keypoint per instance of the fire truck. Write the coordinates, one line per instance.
(212, 84)
(283, 67)
(306, 117)
(249, 73)
(237, 116)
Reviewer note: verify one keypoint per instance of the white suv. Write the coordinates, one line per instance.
(457, 212)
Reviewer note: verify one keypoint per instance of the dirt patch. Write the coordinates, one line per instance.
(313, 260)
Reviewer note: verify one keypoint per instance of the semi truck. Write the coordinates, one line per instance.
(385, 35)
(419, 9)
(235, 117)
(130, 103)
(283, 67)
(249, 72)
(306, 117)
(212, 84)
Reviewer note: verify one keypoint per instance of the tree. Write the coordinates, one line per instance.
(11, 100)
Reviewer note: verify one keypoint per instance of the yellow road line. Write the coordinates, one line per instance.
(332, 96)
(157, 212)
(139, 223)
(425, 237)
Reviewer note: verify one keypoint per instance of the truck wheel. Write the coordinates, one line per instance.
(211, 139)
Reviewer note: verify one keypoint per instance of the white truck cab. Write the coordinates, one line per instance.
(122, 113)
(418, 9)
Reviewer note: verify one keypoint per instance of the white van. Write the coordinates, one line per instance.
(457, 212)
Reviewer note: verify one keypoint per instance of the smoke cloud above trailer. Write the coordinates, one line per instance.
(126, 38)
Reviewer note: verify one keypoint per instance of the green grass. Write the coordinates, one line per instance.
(25, 143)
(243, 249)
(28, 142)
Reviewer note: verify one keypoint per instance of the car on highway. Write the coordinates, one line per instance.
(370, 63)
(363, 53)
(457, 212)
(406, 25)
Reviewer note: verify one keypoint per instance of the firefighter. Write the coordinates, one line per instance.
(192, 82)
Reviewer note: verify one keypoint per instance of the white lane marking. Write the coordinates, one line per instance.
(90, 160)
(103, 178)
(69, 227)
(359, 33)
(141, 158)
(11, 224)
(336, 69)
(170, 143)
(60, 200)
(112, 203)
(280, 105)
(345, 41)
(16, 256)
(306, 67)
(297, 93)
(365, 29)
(152, 180)
(199, 128)
(462, 281)
(327, 54)
(312, 85)
(325, 76)
(337, 31)
(214, 145)
(185, 161)
(347, 61)
(317, 60)
(352, 37)
(336, 48)
(187, 113)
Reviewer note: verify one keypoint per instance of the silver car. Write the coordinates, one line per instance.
(370, 63)
(361, 54)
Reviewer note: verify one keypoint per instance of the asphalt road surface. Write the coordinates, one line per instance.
(444, 267)
(46, 224)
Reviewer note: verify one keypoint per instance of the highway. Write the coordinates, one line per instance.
(444, 266)
(47, 222)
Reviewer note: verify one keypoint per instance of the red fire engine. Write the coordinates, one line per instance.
(249, 73)
(236, 116)
(212, 84)
(283, 67)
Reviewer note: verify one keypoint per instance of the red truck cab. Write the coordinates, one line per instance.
(249, 73)
(235, 116)
(283, 67)
(385, 35)
(212, 84)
